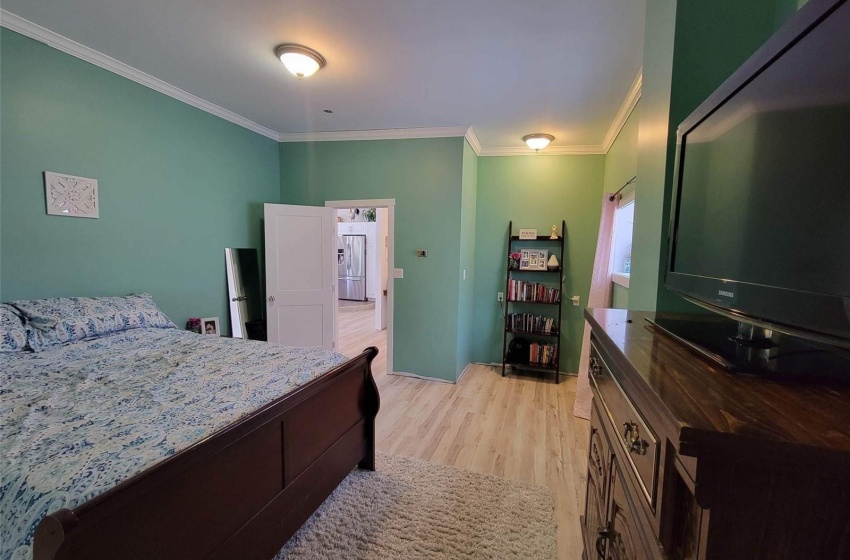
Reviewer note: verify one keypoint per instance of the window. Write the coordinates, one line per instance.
(621, 253)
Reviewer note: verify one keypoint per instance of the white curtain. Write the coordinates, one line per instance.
(600, 296)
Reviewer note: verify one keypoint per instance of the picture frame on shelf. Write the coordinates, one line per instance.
(210, 325)
(533, 259)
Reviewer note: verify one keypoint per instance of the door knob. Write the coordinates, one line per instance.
(240, 298)
(271, 298)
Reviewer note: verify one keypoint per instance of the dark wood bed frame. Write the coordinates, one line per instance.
(240, 493)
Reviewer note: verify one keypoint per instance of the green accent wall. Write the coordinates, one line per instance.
(425, 177)
(711, 42)
(466, 310)
(690, 48)
(652, 152)
(535, 192)
(177, 185)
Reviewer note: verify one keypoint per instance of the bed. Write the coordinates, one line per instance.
(133, 439)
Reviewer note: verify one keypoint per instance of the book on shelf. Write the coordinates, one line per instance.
(542, 354)
(528, 322)
(521, 290)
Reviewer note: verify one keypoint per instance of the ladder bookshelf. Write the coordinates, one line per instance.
(528, 294)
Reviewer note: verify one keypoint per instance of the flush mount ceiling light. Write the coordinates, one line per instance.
(537, 141)
(300, 60)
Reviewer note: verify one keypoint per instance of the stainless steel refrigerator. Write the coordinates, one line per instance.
(351, 256)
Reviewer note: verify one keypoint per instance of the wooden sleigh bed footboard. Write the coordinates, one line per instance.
(242, 492)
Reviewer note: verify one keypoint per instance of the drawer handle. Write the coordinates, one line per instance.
(595, 366)
(631, 437)
(600, 542)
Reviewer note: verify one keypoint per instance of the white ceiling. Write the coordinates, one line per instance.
(505, 67)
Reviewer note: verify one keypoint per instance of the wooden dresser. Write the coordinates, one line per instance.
(687, 461)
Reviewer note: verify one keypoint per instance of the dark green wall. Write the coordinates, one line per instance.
(690, 48)
(712, 40)
(177, 185)
(652, 152)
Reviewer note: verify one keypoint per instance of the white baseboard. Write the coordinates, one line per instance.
(441, 380)
(499, 365)
(423, 377)
(464, 371)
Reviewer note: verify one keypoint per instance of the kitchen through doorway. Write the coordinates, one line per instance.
(364, 278)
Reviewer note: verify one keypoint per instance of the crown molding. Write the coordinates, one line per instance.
(34, 31)
(69, 46)
(375, 134)
(625, 111)
(474, 143)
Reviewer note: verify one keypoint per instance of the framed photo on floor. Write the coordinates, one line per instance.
(209, 325)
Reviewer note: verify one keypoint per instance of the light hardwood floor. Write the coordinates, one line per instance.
(514, 427)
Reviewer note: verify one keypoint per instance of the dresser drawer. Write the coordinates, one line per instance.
(598, 478)
(634, 436)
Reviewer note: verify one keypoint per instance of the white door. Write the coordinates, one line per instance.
(300, 276)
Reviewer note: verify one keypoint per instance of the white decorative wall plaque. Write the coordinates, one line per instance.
(72, 196)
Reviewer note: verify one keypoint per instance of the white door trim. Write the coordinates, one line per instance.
(389, 204)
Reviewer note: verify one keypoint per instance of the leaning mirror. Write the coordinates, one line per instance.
(244, 293)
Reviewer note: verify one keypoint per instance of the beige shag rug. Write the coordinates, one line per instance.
(411, 509)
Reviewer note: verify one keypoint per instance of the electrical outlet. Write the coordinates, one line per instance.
(500, 296)
(576, 300)
(398, 273)
(421, 252)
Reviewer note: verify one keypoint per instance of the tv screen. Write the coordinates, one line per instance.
(761, 222)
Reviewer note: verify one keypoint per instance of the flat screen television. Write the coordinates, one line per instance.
(760, 223)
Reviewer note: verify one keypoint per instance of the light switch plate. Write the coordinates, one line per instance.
(398, 273)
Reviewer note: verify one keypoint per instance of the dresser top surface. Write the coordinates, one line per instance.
(706, 401)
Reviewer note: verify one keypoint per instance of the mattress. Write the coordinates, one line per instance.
(77, 419)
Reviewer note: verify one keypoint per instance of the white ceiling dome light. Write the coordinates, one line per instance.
(301, 61)
(537, 141)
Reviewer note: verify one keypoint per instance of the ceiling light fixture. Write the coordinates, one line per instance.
(537, 141)
(300, 60)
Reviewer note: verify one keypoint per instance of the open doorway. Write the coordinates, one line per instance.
(364, 264)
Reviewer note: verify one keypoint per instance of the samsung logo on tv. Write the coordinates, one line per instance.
(726, 293)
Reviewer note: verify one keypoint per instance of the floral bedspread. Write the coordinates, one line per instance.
(77, 419)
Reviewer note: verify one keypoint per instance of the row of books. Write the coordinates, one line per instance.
(542, 354)
(520, 290)
(531, 323)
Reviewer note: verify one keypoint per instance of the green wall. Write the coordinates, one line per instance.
(620, 166)
(620, 297)
(535, 191)
(177, 185)
(621, 159)
(425, 177)
(711, 42)
(690, 48)
(652, 152)
(469, 196)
